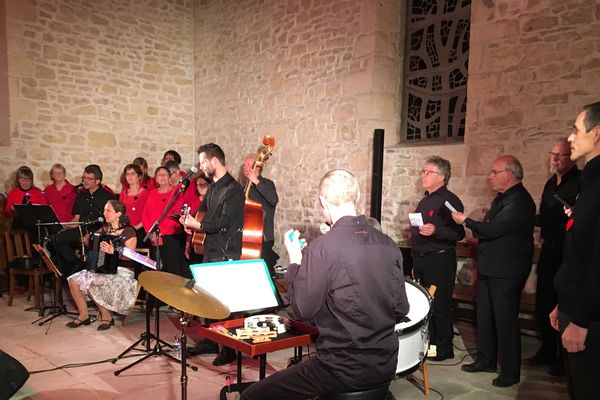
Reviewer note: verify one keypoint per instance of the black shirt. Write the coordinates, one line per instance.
(90, 206)
(350, 285)
(578, 278)
(505, 236)
(266, 194)
(433, 211)
(552, 218)
(223, 219)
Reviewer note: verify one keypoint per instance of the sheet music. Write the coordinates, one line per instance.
(135, 256)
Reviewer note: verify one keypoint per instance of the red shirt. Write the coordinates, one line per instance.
(61, 201)
(191, 198)
(17, 195)
(134, 205)
(155, 204)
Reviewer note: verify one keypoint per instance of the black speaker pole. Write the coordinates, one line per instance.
(377, 174)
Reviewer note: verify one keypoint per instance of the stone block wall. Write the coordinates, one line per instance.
(532, 66)
(319, 76)
(97, 82)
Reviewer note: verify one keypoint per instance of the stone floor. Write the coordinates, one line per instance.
(46, 347)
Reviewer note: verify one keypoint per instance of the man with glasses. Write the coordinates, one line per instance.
(578, 311)
(504, 254)
(88, 207)
(434, 250)
(564, 183)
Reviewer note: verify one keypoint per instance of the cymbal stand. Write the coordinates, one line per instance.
(184, 321)
(157, 350)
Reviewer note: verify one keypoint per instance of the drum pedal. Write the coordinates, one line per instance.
(432, 352)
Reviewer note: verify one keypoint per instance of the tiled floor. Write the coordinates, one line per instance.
(52, 345)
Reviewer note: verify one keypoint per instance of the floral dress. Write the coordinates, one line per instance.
(115, 292)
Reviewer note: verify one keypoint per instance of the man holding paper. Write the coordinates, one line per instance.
(504, 253)
(434, 249)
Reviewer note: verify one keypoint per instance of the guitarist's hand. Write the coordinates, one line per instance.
(189, 223)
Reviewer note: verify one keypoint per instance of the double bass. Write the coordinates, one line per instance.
(252, 235)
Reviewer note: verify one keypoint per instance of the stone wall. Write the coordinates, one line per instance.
(533, 65)
(319, 76)
(97, 82)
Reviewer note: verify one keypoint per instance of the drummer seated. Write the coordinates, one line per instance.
(110, 292)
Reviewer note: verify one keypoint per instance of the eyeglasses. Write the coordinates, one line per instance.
(88, 178)
(203, 184)
(494, 172)
(131, 173)
(553, 155)
(428, 171)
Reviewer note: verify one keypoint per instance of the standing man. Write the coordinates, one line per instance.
(223, 222)
(88, 208)
(504, 253)
(434, 250)
(578, 311)
(552, 220)
(262, 190)
(349, 284)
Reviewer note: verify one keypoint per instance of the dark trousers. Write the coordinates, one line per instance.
(301, 381)
(172, 255)
(546, 299)
(439, 270)
(583, 373)
(498, 331)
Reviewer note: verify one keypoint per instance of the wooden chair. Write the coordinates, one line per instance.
(141, 302)
(22, 262)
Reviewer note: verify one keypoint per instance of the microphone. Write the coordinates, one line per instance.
(189, 174)
(93, 221)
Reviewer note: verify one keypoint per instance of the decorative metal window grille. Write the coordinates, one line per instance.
(435, 70)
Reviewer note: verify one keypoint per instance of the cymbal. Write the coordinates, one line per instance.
(171, 289)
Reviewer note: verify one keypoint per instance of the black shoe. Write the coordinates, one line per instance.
(226, 356)
(475, 367)
(105, 324)
(441, 357)
(504, 381)
(556, 370)
(203, 347)
(76, 323)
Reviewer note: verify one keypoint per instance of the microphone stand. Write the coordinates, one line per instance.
(147, 336)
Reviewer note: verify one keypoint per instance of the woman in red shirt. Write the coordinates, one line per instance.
(134, 197)
(171, 242)
(60, 194)
(23, 193)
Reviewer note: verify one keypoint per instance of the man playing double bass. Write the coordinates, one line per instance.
(222, 223)
(263, 191)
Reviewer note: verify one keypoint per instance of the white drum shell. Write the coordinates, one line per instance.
(413, 335)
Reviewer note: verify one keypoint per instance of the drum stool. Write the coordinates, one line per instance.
(374, 393)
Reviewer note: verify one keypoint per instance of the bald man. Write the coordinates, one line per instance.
(504, 253)
(564, 182)
(349, 284)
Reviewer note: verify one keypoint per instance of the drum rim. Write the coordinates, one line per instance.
(419, 324)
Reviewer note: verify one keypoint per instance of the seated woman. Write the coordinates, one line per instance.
(110, 292)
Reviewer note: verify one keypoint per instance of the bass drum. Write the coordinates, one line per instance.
(412, 331)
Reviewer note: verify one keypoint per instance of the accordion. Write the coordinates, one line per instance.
(97, 260)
